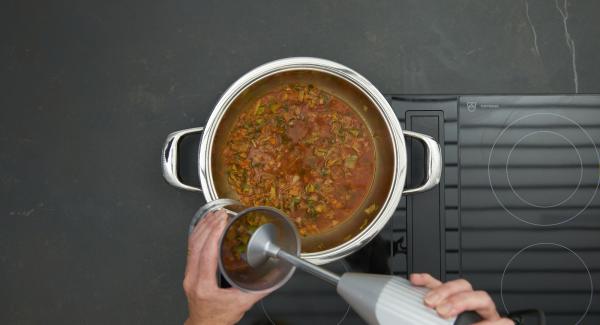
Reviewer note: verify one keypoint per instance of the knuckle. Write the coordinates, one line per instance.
(201, 292)
(446, 289)
(193, 243)
(457, 301)
(438, 292)
(442, 292)
(464, 284)
(196, 290)
(484, 296)
(187, 285)
(210, 216)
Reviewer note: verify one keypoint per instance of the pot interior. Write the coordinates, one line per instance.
(360, 103)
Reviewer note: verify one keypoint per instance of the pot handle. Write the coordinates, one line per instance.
(169, 158)
(433, 157)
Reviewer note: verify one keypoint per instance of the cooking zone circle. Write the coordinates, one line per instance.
(522, 274)
(298, 297)
(523, 149)
(565, 179)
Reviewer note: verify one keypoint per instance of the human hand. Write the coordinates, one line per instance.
(454, 297)
(207, 303)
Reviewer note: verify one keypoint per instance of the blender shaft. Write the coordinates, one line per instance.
(308, 267)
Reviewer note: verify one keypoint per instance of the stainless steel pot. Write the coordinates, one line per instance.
(367, 101)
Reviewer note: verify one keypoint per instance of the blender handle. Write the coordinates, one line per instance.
(169, 158)
(433, 163)
(386, 300)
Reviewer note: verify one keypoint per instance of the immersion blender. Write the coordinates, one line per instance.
(272, 255)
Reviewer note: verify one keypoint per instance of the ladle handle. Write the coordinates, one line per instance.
(308, 267)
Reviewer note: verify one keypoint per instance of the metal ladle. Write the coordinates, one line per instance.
(378, 299)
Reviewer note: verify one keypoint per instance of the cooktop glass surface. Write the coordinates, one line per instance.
(530, 226)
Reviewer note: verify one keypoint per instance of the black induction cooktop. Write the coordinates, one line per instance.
(516, 212)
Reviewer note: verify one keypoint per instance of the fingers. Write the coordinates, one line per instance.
(196, 243)
(199, 226)
(424, 280)
(478, 301)
(210, 252)
(440, 293)
(454, 297)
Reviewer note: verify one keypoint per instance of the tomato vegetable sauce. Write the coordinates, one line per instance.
(304, 151)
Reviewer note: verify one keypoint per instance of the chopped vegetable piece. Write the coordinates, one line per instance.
(274, 107)
(259, 110)
(320, 208)
(351, 161)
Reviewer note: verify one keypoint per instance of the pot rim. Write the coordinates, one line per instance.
(357, 80)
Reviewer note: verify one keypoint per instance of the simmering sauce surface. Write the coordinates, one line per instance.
(304, 151)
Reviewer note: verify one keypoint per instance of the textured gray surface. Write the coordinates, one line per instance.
(89, 232)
